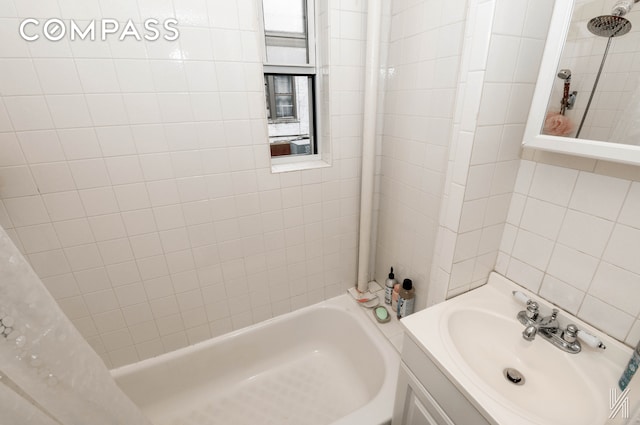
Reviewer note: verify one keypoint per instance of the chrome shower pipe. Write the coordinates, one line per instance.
(372, 64)
(595, 86)
(610, 26)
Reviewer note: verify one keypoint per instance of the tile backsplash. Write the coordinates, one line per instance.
(573, 237)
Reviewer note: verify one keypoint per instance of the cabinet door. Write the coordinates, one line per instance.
(414, 405)
(415, 412)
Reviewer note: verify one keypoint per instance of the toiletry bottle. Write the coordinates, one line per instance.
(406, 299)
(394, 297)
(631, 368)
(388, 287)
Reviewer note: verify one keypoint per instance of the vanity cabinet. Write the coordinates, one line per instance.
(425, 395)
(414, 405)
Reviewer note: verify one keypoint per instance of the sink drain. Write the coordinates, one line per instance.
(513, 376)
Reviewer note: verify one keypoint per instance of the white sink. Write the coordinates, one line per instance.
(553, 380)
(473, 338)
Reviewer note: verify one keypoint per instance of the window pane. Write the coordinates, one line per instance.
(287, 55)
(284, 106)
(291, 130)
(282, 84)
(286, 32)
(284, 16)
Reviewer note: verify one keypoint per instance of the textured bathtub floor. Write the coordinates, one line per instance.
(314, 390)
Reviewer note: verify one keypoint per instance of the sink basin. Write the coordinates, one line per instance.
(475, 337)
(553, 380)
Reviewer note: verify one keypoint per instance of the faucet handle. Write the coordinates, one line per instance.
(521, 298)
(532, 310)
(571, 333)
(591, 340)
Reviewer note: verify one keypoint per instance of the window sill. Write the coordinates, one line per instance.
(299, 166)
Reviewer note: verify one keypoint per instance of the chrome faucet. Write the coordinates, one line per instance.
(549, 328)
(547, 324)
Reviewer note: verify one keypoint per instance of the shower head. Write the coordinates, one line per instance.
(609, 26)
(565, 74)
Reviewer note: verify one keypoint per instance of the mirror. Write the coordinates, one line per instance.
(587, 99)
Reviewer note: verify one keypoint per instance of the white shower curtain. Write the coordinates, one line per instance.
(16, 409)
(55, 377)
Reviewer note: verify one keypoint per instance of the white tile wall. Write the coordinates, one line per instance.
(136, 178)
(494, 93)
(423, 63)
(589, 267)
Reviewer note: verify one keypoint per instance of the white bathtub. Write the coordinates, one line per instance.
(324, 364)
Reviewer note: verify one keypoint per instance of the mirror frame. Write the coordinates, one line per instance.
(610, 151)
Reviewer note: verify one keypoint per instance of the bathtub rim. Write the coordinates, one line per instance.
(377, 411)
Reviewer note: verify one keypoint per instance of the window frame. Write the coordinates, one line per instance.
(309, 69)
(313, 119)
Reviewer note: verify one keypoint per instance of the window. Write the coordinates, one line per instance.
(289, 78)
(289, 100)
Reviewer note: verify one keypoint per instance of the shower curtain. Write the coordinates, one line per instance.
(17, 410)
(48, 373)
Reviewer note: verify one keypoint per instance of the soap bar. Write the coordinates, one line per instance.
(381, 314)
